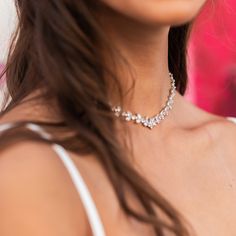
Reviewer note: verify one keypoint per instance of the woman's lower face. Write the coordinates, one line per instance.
(160, 12)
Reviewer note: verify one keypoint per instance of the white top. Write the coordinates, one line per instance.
(80, 185)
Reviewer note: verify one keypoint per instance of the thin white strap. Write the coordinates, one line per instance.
(86, 198)
(232, 119)
(30, 126)
(6, 126)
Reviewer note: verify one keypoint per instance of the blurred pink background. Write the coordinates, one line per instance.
(212, 58)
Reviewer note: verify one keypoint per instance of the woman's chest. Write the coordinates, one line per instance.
(199, 182)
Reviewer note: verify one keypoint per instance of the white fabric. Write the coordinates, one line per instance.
(232, 119)
(85, 196)
(80, 185)
(4, 127)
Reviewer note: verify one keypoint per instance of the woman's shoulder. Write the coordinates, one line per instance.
(220, 130)
(227, 134)
(36, 191)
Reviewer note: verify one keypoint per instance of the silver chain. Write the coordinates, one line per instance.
(149, 122)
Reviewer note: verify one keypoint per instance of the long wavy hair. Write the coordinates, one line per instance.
(57, 50)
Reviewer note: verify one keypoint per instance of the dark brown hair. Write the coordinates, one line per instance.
(57, 48)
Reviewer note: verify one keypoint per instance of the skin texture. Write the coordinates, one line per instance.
(157, 12)
(189, 158)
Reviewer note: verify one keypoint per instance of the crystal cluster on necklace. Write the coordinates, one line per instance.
(149, 122)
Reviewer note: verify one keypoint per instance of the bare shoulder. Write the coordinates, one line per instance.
(220, 131)
(222, 136)
(32, 109)
(37, 196)
(223, 129)
(226, 136)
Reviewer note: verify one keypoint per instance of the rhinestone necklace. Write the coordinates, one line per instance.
(149, 122)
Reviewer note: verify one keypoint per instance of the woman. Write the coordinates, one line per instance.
(75, 69)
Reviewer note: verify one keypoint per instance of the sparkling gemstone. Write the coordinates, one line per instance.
(145, 121)
(116, 109)
(124, 114)
(151, 123)
(157, 120)
(162, 113)
(138, 118)
(133, 117)
(128, 116)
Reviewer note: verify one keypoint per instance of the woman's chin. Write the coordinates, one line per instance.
(160, 12)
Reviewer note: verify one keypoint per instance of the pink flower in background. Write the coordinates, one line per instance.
(212, 58)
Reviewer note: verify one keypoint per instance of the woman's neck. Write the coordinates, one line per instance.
(145, 50)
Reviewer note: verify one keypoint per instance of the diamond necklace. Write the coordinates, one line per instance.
(149, 122)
